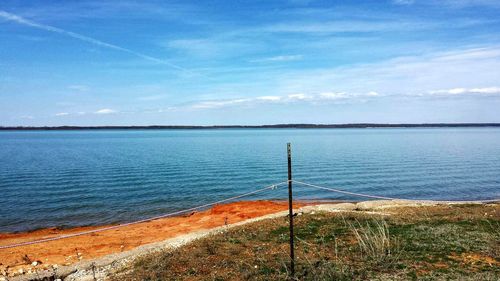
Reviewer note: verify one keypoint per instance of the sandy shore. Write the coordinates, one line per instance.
(87, 247)
(109, 249)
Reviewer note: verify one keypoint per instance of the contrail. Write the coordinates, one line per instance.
(23, 21)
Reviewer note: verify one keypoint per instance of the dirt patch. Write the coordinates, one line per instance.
(474, 259)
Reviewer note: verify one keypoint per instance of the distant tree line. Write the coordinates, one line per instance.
(276, 126)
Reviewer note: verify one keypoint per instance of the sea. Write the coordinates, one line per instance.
(99, 177)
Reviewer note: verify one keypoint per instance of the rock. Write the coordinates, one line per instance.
(21, 271)
(384, 204)
(329, 207)
(378, 204)
(35, 263)
(344, 206)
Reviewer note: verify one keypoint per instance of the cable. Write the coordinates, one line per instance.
(274, 186)
(380, 197)
(345, 192)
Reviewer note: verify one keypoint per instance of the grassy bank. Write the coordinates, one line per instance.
(425, 243)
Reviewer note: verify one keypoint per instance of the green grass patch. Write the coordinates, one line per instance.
(426, 243)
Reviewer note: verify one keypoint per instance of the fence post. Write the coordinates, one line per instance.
(290, 210)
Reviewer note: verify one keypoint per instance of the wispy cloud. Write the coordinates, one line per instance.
(26, 22)
(347, 26)
(62, 114)
(466, 91)
(467, 3)
(222, 45)
(450, 3)
(78, 88)
(368, 25)
(283, 58)
(403, 2)
(152, 98)
(319, 98)
(105, 111)
(467, 68)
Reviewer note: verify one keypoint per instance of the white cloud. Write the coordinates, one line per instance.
(333, 96)
(269, 98)
(373, 94)
(472, 68)
(297, 97)
(62, 114)
(465, 91)
(490, 90)
(105, 111)
(330, 98)
(313, 99)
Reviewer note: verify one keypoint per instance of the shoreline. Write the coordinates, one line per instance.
(66, 252)
(69, 229)
(112, 247)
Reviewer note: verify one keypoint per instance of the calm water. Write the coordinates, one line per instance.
(71, 178)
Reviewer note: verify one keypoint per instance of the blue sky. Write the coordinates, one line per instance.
(248, 62)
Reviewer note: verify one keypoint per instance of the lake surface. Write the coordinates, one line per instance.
(74, 178)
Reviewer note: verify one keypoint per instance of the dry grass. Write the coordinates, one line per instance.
(374, 239)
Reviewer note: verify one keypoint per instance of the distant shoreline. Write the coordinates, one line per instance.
(276, 126)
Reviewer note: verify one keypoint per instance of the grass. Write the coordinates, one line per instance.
(426, 243)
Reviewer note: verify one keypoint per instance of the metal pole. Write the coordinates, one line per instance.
(290, 209)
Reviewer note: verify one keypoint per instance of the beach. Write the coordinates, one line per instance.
(65, 252)
(110, 250)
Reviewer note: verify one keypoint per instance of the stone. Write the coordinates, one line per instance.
(35, 263)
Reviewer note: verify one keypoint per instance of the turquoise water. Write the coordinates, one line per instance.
(74, 178)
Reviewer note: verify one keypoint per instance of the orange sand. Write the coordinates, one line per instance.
(71, 250)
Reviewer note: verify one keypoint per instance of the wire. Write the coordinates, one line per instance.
(274, 186)
(343, 191)
(380, 197)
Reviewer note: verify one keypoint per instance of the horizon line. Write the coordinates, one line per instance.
(269, 126)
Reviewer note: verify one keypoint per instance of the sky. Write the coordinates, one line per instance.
(90, 62)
